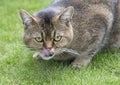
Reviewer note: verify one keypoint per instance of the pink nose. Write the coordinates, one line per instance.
(47, 52)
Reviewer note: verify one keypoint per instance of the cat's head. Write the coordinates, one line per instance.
(48, 32)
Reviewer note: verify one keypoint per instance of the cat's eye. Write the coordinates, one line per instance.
(57, 38)
(39, 39)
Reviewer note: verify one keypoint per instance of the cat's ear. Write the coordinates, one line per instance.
(66, 14)
(27, 18)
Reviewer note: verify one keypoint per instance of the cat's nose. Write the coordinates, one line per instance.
(48, 44)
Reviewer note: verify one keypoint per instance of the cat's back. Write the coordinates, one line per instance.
(79, 3)
(87, 6)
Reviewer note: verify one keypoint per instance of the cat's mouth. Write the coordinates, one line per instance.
(47, 54)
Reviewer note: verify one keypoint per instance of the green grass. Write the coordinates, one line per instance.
(18, 68)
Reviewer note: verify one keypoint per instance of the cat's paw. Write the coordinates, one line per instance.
(37, 57)
(80, 63)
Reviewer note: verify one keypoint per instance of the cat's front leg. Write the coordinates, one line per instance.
(81, 61)
(36, 56)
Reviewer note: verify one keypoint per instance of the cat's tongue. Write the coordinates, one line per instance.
(46, 52)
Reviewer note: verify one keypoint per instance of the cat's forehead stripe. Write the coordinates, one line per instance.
(48, 27)
(47, 20)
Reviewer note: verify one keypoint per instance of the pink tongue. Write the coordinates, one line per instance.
(46, 52)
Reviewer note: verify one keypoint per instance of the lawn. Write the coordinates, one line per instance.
(17, 66)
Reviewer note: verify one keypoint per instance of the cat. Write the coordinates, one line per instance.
(72, 30)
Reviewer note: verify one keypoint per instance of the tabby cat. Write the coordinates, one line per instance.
(72, 29)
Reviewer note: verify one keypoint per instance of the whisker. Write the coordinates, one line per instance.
(30, 48)
(73, 52)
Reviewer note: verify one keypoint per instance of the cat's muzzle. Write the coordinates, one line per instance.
(47, 54)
